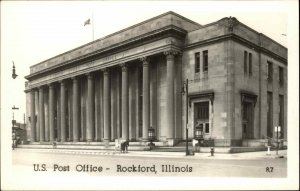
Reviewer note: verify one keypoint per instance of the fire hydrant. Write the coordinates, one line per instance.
(212, 151)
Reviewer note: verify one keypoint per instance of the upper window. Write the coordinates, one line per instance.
(205, 61)
(280, 75)
(250, 64)
(245, 62)
(197, 62)
(270, 71)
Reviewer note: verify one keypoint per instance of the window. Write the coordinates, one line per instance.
(205, 61)
(270, 71)
(250, 64)
(245, 62)
(203, 111)
(206, 127)
(270, 114)
(197, 62)
(280, 76)
(201, 115)
(281, 114)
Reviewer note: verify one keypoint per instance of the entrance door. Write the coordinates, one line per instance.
(201, 115)
(247, 126)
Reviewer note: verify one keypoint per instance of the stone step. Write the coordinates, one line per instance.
(83, 147)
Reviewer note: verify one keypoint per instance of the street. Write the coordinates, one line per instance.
(123, 164)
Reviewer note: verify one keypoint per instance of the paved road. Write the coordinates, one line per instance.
(122, 164)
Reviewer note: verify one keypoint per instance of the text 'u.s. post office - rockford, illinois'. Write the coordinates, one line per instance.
(119, 86)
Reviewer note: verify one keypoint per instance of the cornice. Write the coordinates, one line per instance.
(240, 40)
(169, 31)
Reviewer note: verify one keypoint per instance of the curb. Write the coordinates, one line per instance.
(204, 156)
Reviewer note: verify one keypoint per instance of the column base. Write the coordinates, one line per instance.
(171, 142)
(106, 143)
(75, 140)
(145, 140)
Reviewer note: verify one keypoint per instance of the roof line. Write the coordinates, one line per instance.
(132, 26)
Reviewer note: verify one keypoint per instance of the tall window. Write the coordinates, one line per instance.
(201, 116)
(245, 62)
(270, 71)
(205, 61)
(203, 111)
(250, 64)
(281, 114)
(197, 62)
(270, 114)
(280, 76)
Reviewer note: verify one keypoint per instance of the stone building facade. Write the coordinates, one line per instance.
(119, 86)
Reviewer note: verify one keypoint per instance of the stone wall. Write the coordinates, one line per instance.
(215, 80)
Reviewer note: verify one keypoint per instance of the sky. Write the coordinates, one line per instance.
(33, 31)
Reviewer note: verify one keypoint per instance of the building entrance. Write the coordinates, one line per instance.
(201, 116)
(247, 126)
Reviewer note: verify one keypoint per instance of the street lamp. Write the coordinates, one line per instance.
(151, 136)
(14, 75)
(277, 130)
(185, 91)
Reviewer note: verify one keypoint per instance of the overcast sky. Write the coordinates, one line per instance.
(35, 31)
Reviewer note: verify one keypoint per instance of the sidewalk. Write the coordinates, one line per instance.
(238, 156)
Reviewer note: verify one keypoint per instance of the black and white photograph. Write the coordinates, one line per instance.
(140, 95)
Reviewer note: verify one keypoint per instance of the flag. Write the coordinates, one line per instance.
(87, 22)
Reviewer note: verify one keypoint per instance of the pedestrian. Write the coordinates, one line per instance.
(122, 147)
(14, 144)
(126, 146)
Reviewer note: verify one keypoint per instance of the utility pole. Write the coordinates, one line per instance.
(187, 117)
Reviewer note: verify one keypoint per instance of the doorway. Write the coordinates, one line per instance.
(201, 116)
(247, 124)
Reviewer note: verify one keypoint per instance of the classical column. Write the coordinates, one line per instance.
(41, 114)
(106, 105)
(36, 106)
(146, 98)
(90, 107)
(125, 129)
(32, 115)
(63, 106)
(170, 95)
(76, 113)
(51, 111)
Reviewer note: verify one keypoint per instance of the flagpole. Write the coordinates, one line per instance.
(93, 25)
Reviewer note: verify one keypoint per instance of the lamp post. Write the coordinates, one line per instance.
(277, 130)
(185, 91)
(15, 127)
(151, 136)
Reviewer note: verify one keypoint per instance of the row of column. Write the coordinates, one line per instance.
(90, 105)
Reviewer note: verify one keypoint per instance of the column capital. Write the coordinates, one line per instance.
(105, 71)
(50, 85)
(171, 52)
(33, 89)
(89, 74)
(124, 67)
(145, 61)
(62, 82)
(75, 79)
